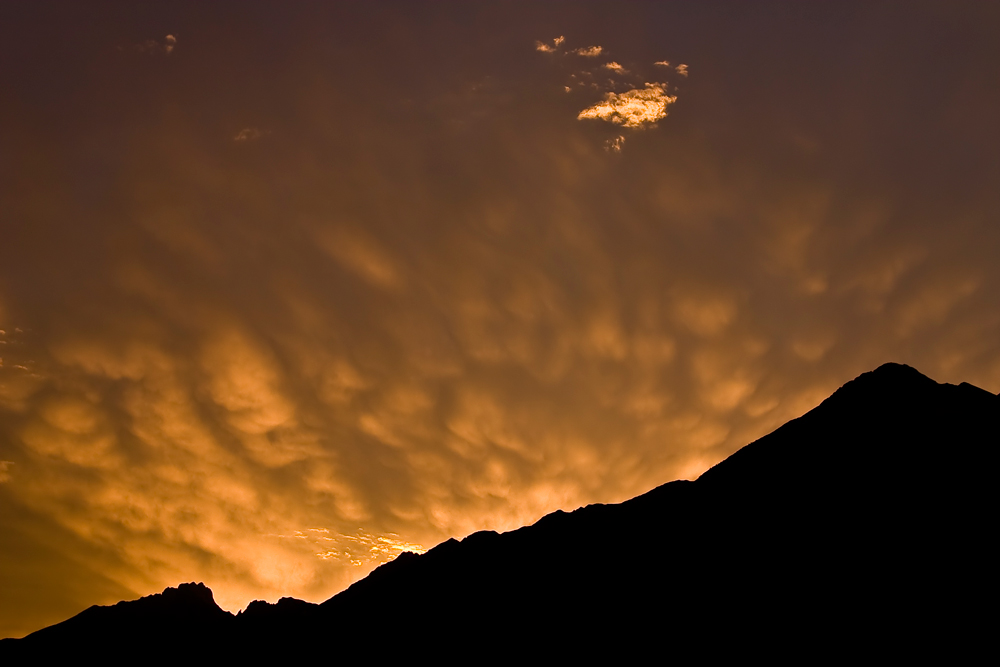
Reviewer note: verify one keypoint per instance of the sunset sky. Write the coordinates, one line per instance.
(287, 290)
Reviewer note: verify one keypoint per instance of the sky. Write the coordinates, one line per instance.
(288, 290)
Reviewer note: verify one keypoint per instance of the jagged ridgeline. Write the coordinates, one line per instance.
(862, 528)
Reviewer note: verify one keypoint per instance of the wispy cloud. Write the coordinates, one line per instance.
(682, 69)
(545, 48)
(637, 108)
(361, 254)
(662, 63)
(248, 134)
(615, 145)
(362, 548)
(5, 470)
(153, 47)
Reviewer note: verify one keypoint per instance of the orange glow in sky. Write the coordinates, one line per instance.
(286, 291)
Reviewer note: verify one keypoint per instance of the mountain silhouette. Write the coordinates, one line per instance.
(861, 529)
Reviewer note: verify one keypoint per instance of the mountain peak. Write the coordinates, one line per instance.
(895, 369)
(892, 373)
(197, 593)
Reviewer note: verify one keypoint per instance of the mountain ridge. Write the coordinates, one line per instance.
(846, 503)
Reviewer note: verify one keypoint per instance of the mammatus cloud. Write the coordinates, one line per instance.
(19, 378)
(358, 252)
(396, 329)
(636, 108)
(545, 48)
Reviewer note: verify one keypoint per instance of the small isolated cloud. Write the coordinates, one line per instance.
(153, 47)
(248, 134)
(614, 145)
(615, 67)
(682, 69)
(545, 48)
(589, 51)
(635, 108)
(662, 63)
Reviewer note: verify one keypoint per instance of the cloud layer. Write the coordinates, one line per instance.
(426, 300)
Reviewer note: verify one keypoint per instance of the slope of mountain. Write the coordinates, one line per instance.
(862, 527)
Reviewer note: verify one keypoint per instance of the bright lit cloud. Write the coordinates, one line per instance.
(546, 48)
(635, 108)
(360, 549)
(615, 67)
(588, 51)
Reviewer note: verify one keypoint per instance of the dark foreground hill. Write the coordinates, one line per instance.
(863, 528)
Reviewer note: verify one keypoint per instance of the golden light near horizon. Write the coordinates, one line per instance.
(285, 292)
